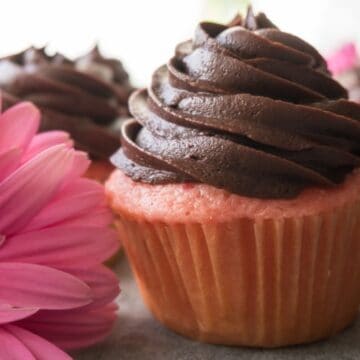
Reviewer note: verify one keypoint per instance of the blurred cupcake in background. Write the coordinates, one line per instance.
(110, 71)
(344, 65)
(86, 97)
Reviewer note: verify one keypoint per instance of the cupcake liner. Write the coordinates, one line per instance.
(263, 282)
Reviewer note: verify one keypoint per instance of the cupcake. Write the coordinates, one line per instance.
(345, 66)
(72, 98)
(111, 71)
(237, 190)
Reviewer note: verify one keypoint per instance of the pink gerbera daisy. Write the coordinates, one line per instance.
(343, 59)
(54, 235)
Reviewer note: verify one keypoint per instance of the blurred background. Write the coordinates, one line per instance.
(143, 33)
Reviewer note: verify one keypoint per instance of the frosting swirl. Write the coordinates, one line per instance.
(244, 107)
(88, 107)
(110, 71)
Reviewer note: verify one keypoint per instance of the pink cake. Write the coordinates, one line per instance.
(175, 203)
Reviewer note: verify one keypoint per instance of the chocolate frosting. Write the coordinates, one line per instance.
(109, 70)
(71, 99)
(244, 107)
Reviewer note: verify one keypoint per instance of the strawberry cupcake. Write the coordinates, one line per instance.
(237, 190)
(72, 97)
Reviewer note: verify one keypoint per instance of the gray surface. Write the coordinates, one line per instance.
(138, 336)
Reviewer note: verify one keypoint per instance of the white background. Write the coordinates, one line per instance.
(144, 33)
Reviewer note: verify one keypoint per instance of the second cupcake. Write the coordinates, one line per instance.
(86, 97)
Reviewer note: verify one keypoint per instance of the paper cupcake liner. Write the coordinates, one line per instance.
(267, 283)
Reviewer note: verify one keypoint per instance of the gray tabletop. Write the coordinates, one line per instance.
(138, 336)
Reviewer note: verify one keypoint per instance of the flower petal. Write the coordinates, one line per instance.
(10, 314)
(29, 285)
(103, 283)
(80, 197)
(39, 347)
(80, 164)
(99, 217)
(73, 329)
(61, 245)
(45, 140)
(18, 126)
(9, 161)
(12, 348)
(30, 187)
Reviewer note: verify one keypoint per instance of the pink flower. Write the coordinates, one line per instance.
(342, 60)
(54, 235)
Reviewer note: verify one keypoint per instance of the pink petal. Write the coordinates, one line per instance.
(11, 348)
(343, 60)
(61, 245)
(39, 347)
(29, 285)
(9, 161)
(73, 329)
(43, 141)
(99, 217)
(80, 197)
(10, 314)
(18, 125)
(30, 187)
(102, 281)
(80, 164)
